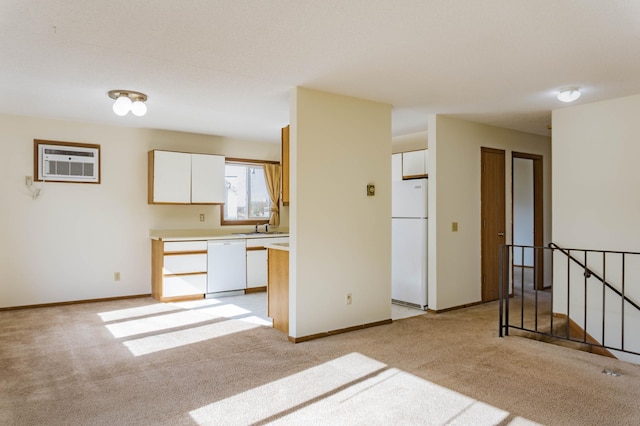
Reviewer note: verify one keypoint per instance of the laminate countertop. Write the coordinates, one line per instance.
(209, 234)
(278, 246)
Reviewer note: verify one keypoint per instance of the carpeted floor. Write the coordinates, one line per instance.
(139, 362)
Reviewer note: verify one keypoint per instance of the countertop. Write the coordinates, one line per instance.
(209, 234)
(278, 246)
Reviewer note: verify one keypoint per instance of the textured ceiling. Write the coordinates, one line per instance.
(226, 67)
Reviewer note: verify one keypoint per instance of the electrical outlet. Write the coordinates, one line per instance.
(349, 299)
(116, 276)
(454, 226)
(201, 217)
(28, 180)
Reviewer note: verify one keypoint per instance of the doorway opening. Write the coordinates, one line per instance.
(527, 216)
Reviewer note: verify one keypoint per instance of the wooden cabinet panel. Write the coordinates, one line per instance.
(207, 179)
(278, 289)
(285, 165)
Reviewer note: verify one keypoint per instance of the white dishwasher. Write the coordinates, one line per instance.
(226, 265)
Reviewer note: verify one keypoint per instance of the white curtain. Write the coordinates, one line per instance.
(272, 176)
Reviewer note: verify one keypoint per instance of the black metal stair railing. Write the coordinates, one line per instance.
(544, 298)
(589, 273)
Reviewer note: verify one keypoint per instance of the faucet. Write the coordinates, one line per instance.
(266, 228)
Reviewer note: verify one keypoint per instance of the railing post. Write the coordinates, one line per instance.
(604, 287)
(586, 278)
(500, 290)
(507, 263)
(622, 309)
(552, 288)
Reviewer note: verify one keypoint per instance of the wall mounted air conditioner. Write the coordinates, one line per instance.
(67, 162)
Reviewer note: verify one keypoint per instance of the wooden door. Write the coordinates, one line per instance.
(492, 216)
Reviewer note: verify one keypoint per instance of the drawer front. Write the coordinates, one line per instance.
(177, 246)
(278, 240)
(184, 285)
(259, 242)
(184, 263)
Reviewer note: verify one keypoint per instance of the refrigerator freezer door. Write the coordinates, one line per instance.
(409, 198)
(409, 261)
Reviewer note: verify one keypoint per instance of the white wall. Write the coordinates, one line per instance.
(67, 244)
(596, 196)
(596, 175)
(523, 209)
(410, 142)
(340, 237)
(454, 185)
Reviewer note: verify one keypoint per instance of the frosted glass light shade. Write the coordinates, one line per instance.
(139, 108)
(569, 95)
(122, 105)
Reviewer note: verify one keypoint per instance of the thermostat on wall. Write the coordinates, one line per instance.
(371, 190)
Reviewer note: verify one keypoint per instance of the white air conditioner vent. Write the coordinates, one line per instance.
(68, 163)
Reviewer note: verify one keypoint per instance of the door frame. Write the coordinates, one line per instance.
(538, 213)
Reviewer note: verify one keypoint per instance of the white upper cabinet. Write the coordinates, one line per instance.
(414, 163)
(396, 167)
(207, 178)
(170, 177)
(184, 178)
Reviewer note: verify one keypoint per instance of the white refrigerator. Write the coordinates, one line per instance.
(409, 242)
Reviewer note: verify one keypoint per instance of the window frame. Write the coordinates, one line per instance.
(225, 222)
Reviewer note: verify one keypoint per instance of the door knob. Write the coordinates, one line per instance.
(500, 234)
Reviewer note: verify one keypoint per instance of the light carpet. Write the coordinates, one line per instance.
(140, 362)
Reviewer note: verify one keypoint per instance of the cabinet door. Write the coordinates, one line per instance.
(171, 177)
(413, 164)
(207, 179)
(256, 268)
(396, 167)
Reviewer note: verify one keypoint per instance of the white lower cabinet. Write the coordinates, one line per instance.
(179, 269)
(257, 268)
(257, 260)
(185, 285)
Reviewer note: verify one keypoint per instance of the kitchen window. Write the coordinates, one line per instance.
(247, 199)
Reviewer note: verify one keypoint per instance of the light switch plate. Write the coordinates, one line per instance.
(454, 226)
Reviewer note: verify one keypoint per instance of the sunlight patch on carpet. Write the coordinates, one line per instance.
(157, 323)
(175, 339)
(140, 311)
(351, 390)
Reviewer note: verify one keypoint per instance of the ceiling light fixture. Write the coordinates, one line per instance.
(569, 94)
(128, 100)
